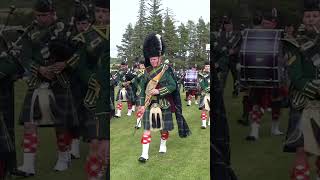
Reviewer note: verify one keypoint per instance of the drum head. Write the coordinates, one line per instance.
(261, 62)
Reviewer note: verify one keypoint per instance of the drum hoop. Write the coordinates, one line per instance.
(271, 30)
(259, 51)
(259, 67)
(258, 80)
(264, 38)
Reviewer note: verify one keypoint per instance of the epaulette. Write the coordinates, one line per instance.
(79, 38)
(141, 72)
(148, 69)
(292, 42)
(102, 30)
(200, 74)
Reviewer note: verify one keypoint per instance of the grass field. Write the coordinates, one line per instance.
(186, 159)
(261, 160)
(46, 157)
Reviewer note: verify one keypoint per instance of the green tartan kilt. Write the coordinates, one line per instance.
(95, 126)
(202, 102)
(166, 116)
(64, 110)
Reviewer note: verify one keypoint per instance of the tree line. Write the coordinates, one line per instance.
(184, 43)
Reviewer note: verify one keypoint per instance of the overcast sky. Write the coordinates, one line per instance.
(124, 12)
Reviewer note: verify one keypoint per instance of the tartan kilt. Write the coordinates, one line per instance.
(93, 126)
(166, 116)
(202, 104)
(130, 95)
(65, 113)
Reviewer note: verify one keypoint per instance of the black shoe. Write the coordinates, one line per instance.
(243, 122)
(142, 159)
(20, 173)
(137, 127)
(203, 127)
(250, 138)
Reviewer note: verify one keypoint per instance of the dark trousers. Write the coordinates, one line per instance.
(7, 109)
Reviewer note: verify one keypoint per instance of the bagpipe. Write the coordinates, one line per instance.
(155, 119)
(10, 45)
(61, 46)
(60, 49)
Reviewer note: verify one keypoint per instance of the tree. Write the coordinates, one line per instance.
(154, 21)
(193, 45)
(125, 50)
(139, 30)
(203, 37)
(183, 36)
(170, 36)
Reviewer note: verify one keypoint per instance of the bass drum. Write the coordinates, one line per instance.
(191, 80)
(261, 59)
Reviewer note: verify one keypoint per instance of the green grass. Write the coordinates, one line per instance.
(261, 160)
(185, 158)
(46, 156)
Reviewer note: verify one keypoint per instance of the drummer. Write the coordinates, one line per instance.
(191, 88)
(226, 47)
(263, 98)
(244, 120)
